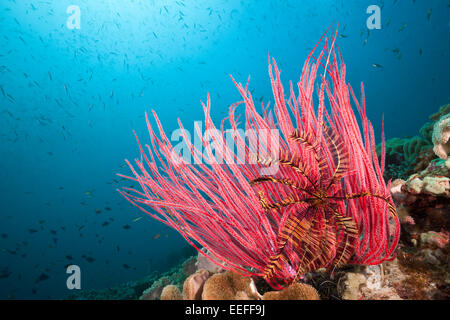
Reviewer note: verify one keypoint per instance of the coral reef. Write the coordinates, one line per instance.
(423, 202)
(420, 270)
(423, 199)
(251, 262)
(404, 155)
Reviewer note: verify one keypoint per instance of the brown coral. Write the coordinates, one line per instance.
(193, 286)
(229, 286)
(171, 292)
(296, 291)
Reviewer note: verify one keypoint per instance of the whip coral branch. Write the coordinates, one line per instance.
(325, 205)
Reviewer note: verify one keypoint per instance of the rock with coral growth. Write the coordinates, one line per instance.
(373, 283)
(229, 286)
(154, 292)
(383, 293)
(429, 257)
(352, 285)
(434, 181)
(422, 204)
(441, 135)
(414, 184)
(404, 216)
(438, 186)
(205, 263)
(374, 277)
(193, 286)
(396, 190)
(171, 292)
(189, 266)
(435, 239)
(296, 291)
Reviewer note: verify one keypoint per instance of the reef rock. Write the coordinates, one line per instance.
(373, 283)
(352, 286)
(205, 263)
(436, 185)
(189, 266)
(433, 181)
(441, 135)
(435, 239)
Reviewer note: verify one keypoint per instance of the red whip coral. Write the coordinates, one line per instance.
(315, 199)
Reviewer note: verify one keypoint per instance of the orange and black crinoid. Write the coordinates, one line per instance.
(307, 202)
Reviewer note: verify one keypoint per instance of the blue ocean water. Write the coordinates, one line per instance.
(70, 99)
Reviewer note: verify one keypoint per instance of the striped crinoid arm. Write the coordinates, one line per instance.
(313, 145)
(304, 244)
(366, 194)
(347, 235)
(338, 154)
(387, 199)
(291, 200)
(286, 182)
(317, 249)
(378, 236)
(289, 161)
(292, 234)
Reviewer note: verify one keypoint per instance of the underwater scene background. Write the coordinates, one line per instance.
(70, 99)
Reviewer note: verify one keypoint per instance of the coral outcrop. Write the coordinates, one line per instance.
(171, 292)
(423, 201)
(373, 283)
(441, 135)
(423, 206)
(404, 156)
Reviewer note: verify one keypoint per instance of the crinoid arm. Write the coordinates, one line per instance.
(301, 170)
(305, 243)
(312, 144)
(339, 154)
